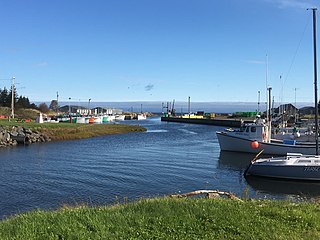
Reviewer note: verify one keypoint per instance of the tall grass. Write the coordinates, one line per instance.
(67, 131)
(168, 218)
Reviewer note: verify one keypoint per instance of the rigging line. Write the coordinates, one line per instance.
(299, 44)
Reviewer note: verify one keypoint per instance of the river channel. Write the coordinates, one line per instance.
(169, 158)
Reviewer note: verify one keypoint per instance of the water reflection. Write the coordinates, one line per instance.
(234, 160)
(307, 189)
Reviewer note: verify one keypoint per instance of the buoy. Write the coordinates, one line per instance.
(91, 120)
(255, 144)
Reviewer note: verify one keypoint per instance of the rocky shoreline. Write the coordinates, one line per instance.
(14, 135)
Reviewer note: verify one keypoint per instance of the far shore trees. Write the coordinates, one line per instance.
(19, 102)
(43, 107)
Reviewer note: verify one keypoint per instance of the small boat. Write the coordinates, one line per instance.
(293, 166)
(97, 119)
(81, 120)
(120, 117)
(256, 136)
(111, 118)
(142, 116)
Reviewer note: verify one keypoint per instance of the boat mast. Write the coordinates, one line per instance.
(269, 114)
(315, 77)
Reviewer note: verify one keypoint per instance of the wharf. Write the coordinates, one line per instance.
(208, 121)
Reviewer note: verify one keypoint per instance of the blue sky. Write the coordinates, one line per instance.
(157, 50)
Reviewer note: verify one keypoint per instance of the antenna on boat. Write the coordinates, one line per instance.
(315, 76)
(267, 66)
(258, 111)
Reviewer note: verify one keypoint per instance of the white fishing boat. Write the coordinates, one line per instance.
(292, 166)
(142, 116)
(108, 118)
(97, 119)
(300, 134)
(81, 120)
(256, 136)
(120, 117)
(111, 118)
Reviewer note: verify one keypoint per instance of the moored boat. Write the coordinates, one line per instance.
(141, 116)
(256, 136)
(120, 117)
(292, 166)
(97, 119)
(81, 120)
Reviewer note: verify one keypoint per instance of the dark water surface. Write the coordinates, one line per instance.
(168, 158)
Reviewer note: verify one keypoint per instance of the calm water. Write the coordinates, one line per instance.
(168, 158)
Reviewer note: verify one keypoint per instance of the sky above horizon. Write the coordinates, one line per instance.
(158, 50)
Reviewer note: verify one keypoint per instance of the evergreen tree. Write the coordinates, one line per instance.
(23, 102)
(3, 97)
(19, 102)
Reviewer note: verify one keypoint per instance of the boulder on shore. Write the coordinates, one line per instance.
(11, 136)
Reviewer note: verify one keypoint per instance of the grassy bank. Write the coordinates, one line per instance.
(171, 219)
(79, 131)
(68, 131)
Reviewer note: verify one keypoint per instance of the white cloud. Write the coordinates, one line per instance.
(42, 64)
(292, 3)
(255, 62)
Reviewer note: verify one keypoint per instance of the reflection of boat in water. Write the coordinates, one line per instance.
(235, 160)
(308, 189)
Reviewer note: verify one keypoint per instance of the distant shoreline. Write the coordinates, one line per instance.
(180, 106)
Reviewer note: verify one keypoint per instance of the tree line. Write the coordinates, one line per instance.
(19, 101)
(23, 102)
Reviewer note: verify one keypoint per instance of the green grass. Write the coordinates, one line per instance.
(168, 218)
(68, 131)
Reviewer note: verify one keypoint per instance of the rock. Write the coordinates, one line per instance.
(11, 136)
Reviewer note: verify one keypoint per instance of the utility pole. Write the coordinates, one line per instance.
(315, 77)
(89, 106)
(189, 106)
(69, 106)
(295, 105)
(269, 114)
(12, 97)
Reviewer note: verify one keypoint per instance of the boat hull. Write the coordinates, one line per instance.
(293, 166)
(309, 173)
(238, 144)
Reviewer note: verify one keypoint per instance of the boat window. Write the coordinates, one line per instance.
(253, 129)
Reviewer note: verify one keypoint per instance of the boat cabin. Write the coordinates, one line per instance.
(252, 131)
